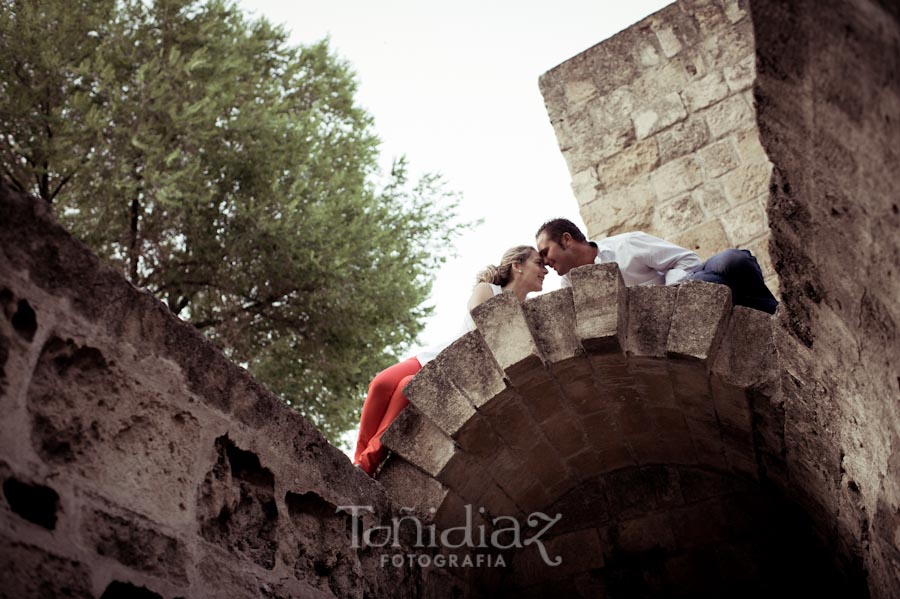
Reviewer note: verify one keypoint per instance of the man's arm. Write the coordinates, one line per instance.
(675, 262)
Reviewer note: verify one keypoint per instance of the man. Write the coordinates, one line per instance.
(647, 260)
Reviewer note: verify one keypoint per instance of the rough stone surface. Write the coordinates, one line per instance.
(136, 460)
(834, 214)
(690, 167)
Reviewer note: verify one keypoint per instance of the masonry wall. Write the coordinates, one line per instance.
(818, 101)
(657, 125)
(828, 92)
(137, 461)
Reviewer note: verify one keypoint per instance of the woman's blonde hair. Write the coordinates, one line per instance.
(500, 275)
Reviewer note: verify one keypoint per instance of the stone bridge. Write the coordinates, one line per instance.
(644, 416)
(691, 449)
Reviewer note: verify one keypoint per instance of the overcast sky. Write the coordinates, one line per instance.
(454, 87)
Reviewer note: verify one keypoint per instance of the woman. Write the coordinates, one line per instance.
(521, 271)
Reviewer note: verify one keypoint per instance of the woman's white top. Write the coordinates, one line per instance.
(429, 353)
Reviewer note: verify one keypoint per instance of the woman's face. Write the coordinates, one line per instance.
(533, 272)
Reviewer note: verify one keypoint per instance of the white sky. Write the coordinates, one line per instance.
(454, 87)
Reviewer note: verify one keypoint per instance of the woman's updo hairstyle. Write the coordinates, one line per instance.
(500, 275)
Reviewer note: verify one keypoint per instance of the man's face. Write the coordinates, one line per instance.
(558, 256)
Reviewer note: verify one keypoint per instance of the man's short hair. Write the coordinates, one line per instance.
(556, 227)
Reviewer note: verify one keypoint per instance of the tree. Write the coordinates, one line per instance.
(231, 175)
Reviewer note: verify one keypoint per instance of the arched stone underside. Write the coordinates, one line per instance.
(649, 418)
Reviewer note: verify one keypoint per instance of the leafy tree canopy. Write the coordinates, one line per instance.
(230, 174)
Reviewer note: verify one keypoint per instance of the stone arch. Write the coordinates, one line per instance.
(649, 417)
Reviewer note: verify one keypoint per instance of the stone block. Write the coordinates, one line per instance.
(542, 398)
(601, 306)
(747, 354)
(586, 464)
(469, 365)
(466, 475)
(677, 177)
(616, 208)
(747, 182)
(710, 18)
(418, 440)
(674, 29)
(719, 158)
(731, 114)
(579, 91)
(705, 239)
(698, 323)
(565, 433)
(740, 452)
(604, 431)
(622, 169)
(748, 146)
(585, 185)
(451, 512)
(675, 216)
(666, 79)
(576, 380)
(534, 498)
(741, 75)
(477, 436)
(411, 488)
(545, 465)
(551, 318)
(734, 10)
(511, 420)
(29, 571)
(708, 444)
(584, 143)
(690, 384)
(613, 63)
(662, 113)
(497, 503)
(745, 223)
(613, 109)
(704, 91)
(438, 399)
(711, 198)
(502, 324)
(728, 46)
(652, 381)
(682, 138)
(136, 543)
(510, 472)
(650, 309)
(668, 41)
(732, 406)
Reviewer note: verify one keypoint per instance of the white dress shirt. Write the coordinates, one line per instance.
(644, 259)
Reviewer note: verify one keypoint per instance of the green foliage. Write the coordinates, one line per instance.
(231, 175)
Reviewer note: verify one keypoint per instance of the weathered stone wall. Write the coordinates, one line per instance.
(825, 106)
(657, 125)
(134, 455)
(828, 91)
